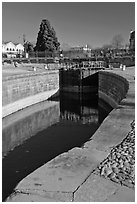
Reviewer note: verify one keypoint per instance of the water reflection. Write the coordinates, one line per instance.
(76, 109)
(22, 125)
(56, 127)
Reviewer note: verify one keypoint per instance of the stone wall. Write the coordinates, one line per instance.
(20, 86)
(18, 90)
(112, 88)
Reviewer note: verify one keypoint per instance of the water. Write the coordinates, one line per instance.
(39, 133)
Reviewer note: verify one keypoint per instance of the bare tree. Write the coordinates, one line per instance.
(106, 46)
(65, 46)
(127, 46)
(117, 41)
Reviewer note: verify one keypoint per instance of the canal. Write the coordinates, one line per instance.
(37, 134)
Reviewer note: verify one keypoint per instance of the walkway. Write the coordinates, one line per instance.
(72, 176)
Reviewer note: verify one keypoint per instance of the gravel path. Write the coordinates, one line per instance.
(119, 166)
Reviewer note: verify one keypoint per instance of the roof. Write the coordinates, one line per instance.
(19, 44)
(6, 42)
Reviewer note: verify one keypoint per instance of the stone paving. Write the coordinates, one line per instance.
(119, 166)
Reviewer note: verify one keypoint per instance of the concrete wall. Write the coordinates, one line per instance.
(20, 126)
(112, 88)
(23, 90)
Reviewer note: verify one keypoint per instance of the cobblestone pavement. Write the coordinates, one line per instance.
(119, 166)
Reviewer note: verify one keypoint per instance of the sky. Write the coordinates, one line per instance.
(75, 23)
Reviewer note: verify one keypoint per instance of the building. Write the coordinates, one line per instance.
(11, 49)
(132, 41)
(77, 52)
(81, 48)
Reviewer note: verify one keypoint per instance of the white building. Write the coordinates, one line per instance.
(82, 48)
(19, 48)
(86, 48)
(11, 49)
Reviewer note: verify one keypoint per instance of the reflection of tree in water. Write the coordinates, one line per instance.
(79, 110)
(84, 119)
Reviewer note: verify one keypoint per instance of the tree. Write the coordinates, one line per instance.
(47, 40)
(107, 46)
(65, 47)
(28, 46)
(127, 46)
(117, 41)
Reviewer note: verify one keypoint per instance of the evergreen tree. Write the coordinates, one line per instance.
(47, 40)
